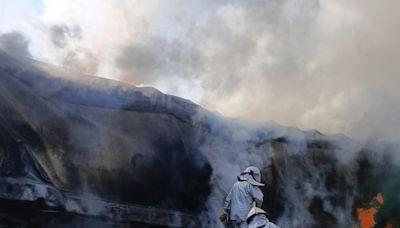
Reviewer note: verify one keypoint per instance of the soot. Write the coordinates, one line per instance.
(173, 177)
(17, 144)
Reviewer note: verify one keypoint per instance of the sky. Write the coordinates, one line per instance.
(330, 65)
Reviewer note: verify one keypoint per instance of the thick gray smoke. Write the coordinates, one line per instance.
(145, 63)
(327, 65)
(311, 180)
(66, 39)
(60, 34)
(15, 44)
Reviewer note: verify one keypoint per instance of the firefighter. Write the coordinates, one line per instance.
(244, 194)
(258, 218)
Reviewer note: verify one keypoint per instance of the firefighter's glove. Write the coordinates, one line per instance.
(223, 217)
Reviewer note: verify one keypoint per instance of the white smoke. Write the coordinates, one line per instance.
(320, 186)
(327, 65)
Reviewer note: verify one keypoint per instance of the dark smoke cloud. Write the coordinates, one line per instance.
(15, 43)
(61, 34)
(327, 65)
(156, 58)
(74, 56)
(323, 65)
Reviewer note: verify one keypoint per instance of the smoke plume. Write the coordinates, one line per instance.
(327, 65)
(15, 44)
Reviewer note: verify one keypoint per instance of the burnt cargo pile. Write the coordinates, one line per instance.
(81, 150)
(123, 144)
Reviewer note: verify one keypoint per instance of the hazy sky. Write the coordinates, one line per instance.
(327, 65)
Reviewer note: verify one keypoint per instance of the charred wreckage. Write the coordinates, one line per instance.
(97, 152)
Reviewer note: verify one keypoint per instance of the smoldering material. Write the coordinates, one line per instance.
(137, 145)
(77, 135)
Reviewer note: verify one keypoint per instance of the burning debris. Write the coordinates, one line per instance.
(367, 215)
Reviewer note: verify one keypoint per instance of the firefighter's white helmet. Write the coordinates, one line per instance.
(255, 211)
(249, 175)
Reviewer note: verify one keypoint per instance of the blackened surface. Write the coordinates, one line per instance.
(171, 179)
(273, 192)
(123, 143)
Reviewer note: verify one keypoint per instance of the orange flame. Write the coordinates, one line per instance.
(128, 81)
(366, 216)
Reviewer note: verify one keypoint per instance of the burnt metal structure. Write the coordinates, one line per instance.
(25, 203)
